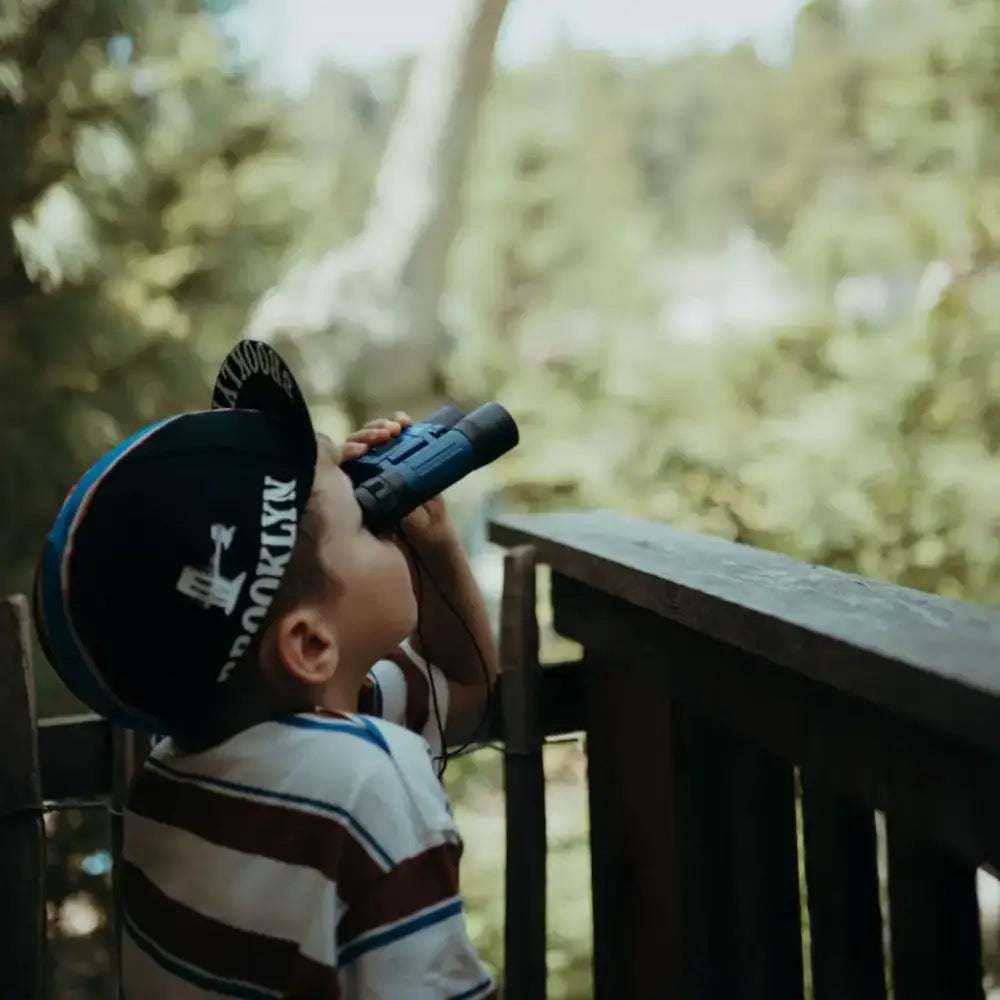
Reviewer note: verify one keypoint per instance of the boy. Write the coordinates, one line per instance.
(211, 579)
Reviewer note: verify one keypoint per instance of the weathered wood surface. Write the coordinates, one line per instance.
(884, 697)
(934, 919)
(560, 709)
(928, 780)
(918, 655)
(76, 751)
(845, 920)
(76, 757)
(22, 835)
(761, 858)
(637, 936)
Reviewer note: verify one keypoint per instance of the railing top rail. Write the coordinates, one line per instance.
(917, 654)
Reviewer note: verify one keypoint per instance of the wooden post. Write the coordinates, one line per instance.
(525, 969)
(22, 833)
(934, 920)
(634, 876)
(763, 873)
(692, 826)
(129, 750)
(842, 889)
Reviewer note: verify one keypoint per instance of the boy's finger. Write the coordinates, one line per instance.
(383, 422)
(351, 450)
(371, 435)
(402, 418)
(376, 428)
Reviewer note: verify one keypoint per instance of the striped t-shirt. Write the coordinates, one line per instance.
(312, 857)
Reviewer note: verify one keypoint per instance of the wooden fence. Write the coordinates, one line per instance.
(739, 708)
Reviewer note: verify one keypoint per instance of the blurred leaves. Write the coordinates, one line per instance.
(868, 448)
(151, 208)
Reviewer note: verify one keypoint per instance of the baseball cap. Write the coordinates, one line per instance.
(165, 556)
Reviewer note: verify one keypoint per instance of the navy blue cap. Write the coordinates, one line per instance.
(166, 555)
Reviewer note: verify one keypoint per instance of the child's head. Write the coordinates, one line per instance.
(346, 601)
(213, 569)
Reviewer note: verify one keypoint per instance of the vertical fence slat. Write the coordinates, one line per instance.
(842, 886)
(700, 837)
(128, 751)
(765, 876)
(934, 921)
(525, 944)
(738, 867)
(22, 832)
(632, 818)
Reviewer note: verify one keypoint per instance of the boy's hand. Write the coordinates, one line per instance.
(429, 523)
(454, 630)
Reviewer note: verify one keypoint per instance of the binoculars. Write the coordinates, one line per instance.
(425, 459)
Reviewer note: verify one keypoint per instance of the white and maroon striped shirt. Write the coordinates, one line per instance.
(313, 858)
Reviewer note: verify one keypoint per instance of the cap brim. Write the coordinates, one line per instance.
(53, 624)
(255, 377)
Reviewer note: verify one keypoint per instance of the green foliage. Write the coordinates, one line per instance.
(152, 208)
(868, 449)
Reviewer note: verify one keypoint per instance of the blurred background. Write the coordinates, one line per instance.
(732, 265)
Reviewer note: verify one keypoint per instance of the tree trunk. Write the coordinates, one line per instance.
(366, 317)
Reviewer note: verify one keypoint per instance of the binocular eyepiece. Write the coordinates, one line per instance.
(425, 459)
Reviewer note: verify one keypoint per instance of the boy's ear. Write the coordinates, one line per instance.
(305, 645)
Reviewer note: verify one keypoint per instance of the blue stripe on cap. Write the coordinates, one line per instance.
(72, 661)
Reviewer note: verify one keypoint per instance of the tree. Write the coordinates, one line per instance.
(150, 205)
(551, 282)
(365, 316)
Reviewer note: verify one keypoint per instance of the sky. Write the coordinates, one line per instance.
(294, 36)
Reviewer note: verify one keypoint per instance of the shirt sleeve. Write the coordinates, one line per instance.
(408, 691)
(403, 933)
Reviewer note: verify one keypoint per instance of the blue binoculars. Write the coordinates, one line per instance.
(425, 459)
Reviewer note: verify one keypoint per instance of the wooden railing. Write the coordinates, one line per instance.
(715, 679)
(740, 710)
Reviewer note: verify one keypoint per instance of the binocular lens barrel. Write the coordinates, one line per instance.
(446, 416)
(491, 431)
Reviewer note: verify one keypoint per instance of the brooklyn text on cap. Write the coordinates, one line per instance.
(166, 555)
